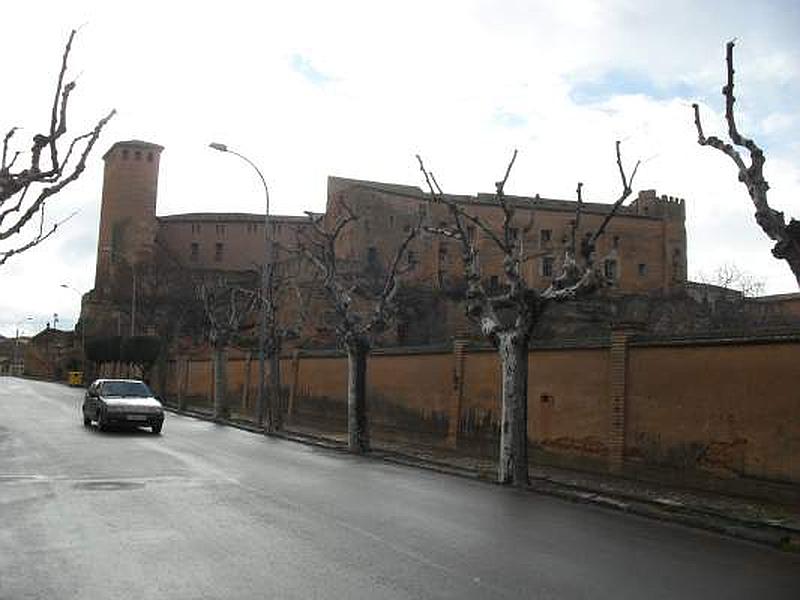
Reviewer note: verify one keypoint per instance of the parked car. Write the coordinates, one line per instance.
(122, 402)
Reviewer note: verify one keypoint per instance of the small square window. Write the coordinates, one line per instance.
(218, 249)
(545, 235)
(642, 269)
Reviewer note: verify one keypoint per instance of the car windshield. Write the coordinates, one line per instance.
(124, 389)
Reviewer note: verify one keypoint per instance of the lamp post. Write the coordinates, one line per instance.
(83, 330)
(265, 289)
(16, 345)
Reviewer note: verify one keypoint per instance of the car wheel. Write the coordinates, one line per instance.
(101, 420)
(157, 428)
(86, 421)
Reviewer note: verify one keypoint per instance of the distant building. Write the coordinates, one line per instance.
(643, 249)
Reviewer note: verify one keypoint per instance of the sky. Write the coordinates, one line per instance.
(308, 89)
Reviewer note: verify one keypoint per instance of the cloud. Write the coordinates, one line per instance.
(303, 66)
(361, 87)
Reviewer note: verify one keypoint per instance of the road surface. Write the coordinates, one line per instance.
(206, 511)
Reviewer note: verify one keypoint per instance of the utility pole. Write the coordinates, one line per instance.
(133, 303)
(83, 329)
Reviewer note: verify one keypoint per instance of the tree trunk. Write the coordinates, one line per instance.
(275, 412)
(513, 465)
(220, 381)
(357, 426)
(183, 382)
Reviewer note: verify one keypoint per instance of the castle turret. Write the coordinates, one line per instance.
(672, 212)
(128, 210)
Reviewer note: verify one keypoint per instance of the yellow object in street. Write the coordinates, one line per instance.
(75, 378)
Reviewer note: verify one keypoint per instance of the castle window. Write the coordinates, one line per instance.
(124, 154)
(493, 283)
(642, 269)
(513, 235)
(616, 241)
(391, 220)
(195, 251)
(218, 251)
(471, 233)
(545, 235)
(610, 269)
(372, 255)
(149, 157)
(138, 155)
(195, 228)
(411, 258)
(220, 229)
(546, 266)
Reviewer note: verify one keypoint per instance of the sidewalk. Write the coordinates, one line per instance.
(777, 525)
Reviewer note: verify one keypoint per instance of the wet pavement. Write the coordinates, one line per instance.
(210, 511)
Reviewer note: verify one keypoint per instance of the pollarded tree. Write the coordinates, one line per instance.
(282, 315)
(507, 314)
(772, 222)
(364, 303)
(48, 172)
(227, 308)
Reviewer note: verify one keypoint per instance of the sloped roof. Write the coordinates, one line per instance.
(228, 217)
(412, 192)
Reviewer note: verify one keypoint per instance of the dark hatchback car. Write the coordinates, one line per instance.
(122, 402)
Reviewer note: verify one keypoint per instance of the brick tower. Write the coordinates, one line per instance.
(128, 211)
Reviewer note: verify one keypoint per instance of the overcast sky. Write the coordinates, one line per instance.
(310, 89)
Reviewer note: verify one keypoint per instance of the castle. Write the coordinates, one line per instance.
(643, 249)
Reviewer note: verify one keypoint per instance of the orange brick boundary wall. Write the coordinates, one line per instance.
(727, 407)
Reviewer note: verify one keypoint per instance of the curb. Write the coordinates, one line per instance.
(776, 536)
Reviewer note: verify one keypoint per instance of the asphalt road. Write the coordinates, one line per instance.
(205, 511)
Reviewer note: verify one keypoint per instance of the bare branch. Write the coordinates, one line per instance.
(626, 191)
(38, 239)
(772, 222)
(15, 212)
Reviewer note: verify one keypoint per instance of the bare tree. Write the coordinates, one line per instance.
(47, 168)
(507, 314)
(363, 306)
(732, 277)
(283, 314)
(226, 307)
(772, 222)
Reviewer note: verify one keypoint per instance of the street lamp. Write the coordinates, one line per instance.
(83, 330)
(262, 329)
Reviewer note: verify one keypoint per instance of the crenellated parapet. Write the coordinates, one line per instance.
(649, 204)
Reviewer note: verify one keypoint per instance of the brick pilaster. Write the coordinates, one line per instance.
(457, 392)
(617, 379)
